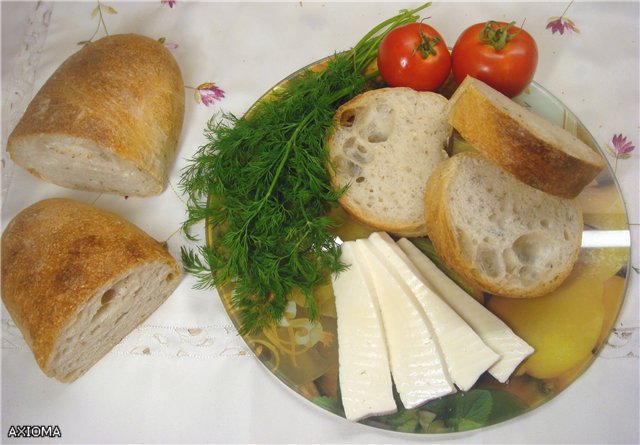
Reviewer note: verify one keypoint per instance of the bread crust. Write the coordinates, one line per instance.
(507, 140)
(56, 254)
(447, 242)
(124, 93)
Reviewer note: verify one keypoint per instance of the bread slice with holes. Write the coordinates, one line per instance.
(384, 146)
(531, 148)
(77, 279)
(507, 237)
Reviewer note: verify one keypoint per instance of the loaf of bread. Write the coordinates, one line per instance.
(107, 120)
(384, 145)
(77, 279)
(528, 146)
(507, 237)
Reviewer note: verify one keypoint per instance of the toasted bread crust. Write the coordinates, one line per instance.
(506, 139)
(123, 93)
(56, 254)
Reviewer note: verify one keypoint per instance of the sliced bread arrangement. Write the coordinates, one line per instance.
(107, 120)
(77, 279)
(523, 143)
(385, 144)
(502, 215)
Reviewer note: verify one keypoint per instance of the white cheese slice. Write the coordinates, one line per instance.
(466, 355)
(417, 367)
(364, 373)
(493, 331)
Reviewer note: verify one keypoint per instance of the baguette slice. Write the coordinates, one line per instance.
(107, 120)
(384, 146)
(77, 279)
(528, 146)
(508, 238)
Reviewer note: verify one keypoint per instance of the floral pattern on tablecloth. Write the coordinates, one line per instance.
(562, 23)
(206, 93)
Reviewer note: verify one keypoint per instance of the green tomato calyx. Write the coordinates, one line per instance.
(427, 46)
(495, 35)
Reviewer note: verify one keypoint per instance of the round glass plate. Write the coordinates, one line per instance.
(567, 328)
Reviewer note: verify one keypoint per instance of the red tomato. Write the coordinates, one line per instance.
(500, 54)
(414, 56)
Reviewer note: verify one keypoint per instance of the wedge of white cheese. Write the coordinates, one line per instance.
(364, 373)
(418, 369)
(493, 331)
(466, 355)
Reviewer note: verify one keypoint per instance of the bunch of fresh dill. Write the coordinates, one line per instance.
(261, 184)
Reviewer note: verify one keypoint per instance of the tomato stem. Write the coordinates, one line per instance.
(499, 36)
(427, 45)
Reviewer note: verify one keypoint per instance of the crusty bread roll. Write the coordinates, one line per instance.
(507, 237)
(77, 279)
(528, 146)
(107, 120)
(384, 145)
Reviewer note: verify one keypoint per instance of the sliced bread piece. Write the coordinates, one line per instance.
(107, 120)
(536, 151)
(77, 279)
(384, 146)
(508, 238)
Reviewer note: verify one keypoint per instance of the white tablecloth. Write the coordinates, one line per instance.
(185, 375)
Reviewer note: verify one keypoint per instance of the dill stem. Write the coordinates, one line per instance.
(281, 164)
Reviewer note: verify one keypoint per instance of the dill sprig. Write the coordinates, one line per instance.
(262, 186)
